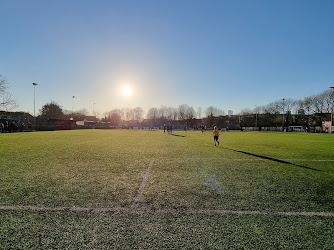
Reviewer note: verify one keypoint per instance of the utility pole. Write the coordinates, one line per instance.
(72, 103)
(255, 117)
(332, 95)
(34, 84)
(283, 115)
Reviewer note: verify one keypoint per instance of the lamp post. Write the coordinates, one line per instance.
(255, 117)
(72, 103)
(35, 84)
(332, 94)
(283, 115)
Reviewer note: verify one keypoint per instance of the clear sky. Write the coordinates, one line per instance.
(227, 54)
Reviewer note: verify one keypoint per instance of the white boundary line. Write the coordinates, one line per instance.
(236, 159)
(142, 185)
(164, 211)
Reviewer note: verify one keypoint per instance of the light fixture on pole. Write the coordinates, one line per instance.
(35, 84)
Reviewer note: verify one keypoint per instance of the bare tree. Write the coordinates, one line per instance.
(258, 110)
(82, 111)
(321, 102)
(270, 108)
(138, 113)
(152, 113)
(174, 113)
(128, 114)
(190, 113)
(169, 113)
(308, 103)
(300, 107)
(162, 112)
(114, 117)
(246, 111)
(7, 101)
(288, 104)
(182, 112)
(214, 112)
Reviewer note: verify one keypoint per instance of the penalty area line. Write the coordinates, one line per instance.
(164, 211)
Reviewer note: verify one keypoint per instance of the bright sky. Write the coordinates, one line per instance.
(228, 54)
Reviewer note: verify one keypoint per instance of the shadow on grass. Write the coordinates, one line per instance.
(178, 135)
(272, 159)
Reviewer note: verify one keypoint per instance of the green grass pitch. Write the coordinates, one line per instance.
(107, 189)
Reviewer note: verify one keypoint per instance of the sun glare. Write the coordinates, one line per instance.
(126, 91)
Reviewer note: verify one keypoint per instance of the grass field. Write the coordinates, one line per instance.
(107, 189)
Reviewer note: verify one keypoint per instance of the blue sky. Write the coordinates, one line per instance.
(227, 54)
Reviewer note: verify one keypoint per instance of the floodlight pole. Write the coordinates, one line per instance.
(255, 117)
(283, 115)
(34, 84)
(72, 103)
(332, 95)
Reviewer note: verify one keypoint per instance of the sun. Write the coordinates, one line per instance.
(126, 91)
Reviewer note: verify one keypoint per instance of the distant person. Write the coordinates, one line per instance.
(2, 127)
(185, 128)
(6, 126)
(215, 135)
(21, 126)
(164, 128)
(169, 128)
(13, 127)
(203, 128)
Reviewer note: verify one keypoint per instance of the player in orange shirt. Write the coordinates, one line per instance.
(215, 135)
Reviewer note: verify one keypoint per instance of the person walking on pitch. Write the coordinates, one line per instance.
(215, 135)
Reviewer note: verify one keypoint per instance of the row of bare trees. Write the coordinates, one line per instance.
(162, 114)
(316, 104)
(267, 115)
(115, 116)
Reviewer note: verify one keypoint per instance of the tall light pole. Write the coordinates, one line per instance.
(332, 95)
(35, 84)
(255, 117)
(283, 115)
(72, 103)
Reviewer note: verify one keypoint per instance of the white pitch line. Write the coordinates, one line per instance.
(164, 211)
(237, 159)
(55, 209)
(142, 185)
